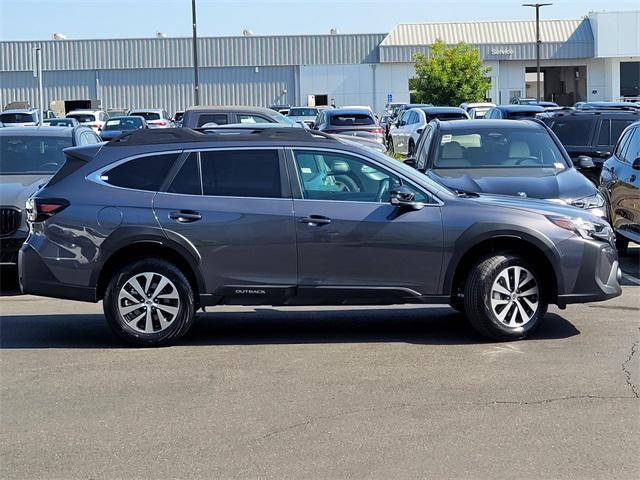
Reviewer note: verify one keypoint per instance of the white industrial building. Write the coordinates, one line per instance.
(593, 58)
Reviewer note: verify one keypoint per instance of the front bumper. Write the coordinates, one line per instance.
(37, 279)
(598, 277)
(10, 246)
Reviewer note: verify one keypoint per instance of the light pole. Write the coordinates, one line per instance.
(537, 7)
(196, 83)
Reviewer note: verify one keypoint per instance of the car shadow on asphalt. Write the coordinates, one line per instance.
(424, 326)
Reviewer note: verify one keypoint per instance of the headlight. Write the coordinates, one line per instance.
(594, 201)
(584, 228)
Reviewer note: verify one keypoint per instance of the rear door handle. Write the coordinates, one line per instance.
(315, 220)
(185, 216)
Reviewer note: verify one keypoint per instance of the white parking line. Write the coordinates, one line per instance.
(631, 278)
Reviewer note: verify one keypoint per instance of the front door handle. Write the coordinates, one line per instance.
(185, 216)
(315, 220)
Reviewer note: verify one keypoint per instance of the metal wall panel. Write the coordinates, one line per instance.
(176, 52)
(68, 85)
(526, 51)
(171, 88)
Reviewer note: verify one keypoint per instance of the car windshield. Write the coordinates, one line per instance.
(498, 148)
(147, 115)
(83, 117)
(303, 112)
(129, 123)
(16, 118)
(32, 155)
(524, 114)
(349, 119)
(282, 119)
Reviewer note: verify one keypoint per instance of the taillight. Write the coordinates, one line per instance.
(41, 209)
(378, 130)
(159, 122)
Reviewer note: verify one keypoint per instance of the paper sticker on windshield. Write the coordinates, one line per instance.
(446, 139)
(306, 170)
(113, 122)
(558, 165)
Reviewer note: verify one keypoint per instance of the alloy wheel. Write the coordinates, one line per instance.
(148, 302)
(514, 296)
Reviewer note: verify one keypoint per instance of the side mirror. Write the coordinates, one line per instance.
(419, 131)
(636, 164)
(584, 162)
(600, 154)
(402, 197)
(411, 161)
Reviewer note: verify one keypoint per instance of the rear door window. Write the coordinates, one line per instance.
(142, 173)
(241, 173)
(187, 181)
(573, 131)
(604, 135)
(250, 119)
(617, 127)
(217, 118)
(632, 148)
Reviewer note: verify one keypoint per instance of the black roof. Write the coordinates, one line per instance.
(442, 109)
(156, 136)
(570, 112)
(488, 124)
(347, 111)
(519, 108)
(41, 131)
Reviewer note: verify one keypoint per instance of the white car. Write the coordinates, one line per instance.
(155, 117)
(19, 117)
(404, 134)
(306, 115)
(477, 109)
(94, 119)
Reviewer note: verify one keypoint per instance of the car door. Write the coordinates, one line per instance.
(351, 237)
(399, 133)
(234, 208)
(624, 187)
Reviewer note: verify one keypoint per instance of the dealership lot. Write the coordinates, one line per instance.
(321, 392)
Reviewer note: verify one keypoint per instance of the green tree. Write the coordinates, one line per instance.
(450, 75)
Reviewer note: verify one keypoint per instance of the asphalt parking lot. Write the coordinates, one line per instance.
(397, 392)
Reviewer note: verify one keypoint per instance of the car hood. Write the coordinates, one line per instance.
(542, 183)
(15, 189)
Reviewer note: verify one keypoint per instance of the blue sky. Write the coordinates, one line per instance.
(38, 19)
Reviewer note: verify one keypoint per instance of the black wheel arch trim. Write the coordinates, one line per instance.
(125, 236)
(479, 233)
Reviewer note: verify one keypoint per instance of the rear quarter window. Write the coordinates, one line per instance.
(143, 173)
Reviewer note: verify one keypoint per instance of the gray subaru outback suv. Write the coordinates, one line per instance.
(159, 223)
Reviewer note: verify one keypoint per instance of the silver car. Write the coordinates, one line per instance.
(155, 117)
(306, 115)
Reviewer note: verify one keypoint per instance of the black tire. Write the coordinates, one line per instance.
(178, 326)
(392, 148)
(410, 149)
(477, 298)
(622, 244)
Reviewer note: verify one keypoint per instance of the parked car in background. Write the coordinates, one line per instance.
(404, 137)
(513, 112)
(29, 156)
(589, 133)
(349, 121)
(196, 117)
(20, 117)
(306, 115)
(118, 125)
(504, 157)
(60, 122)
(477, 109)
(155, 117)
(390, 108)
(620, 184)
(93, 119)
(283, 109)
(501, 260)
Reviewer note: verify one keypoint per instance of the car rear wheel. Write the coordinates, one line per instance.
(503, 297)
(149, 303)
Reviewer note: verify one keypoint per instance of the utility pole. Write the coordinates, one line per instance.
(537, 6)
(196, 82)
(37, 72)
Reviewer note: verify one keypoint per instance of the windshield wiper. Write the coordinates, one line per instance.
(466, 194)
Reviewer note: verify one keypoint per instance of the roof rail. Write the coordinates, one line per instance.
(188, 135)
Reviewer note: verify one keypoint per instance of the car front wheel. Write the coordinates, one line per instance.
(503, 297)
(149, 303)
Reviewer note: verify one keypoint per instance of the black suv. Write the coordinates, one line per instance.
(590, 133)
(161, 222)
